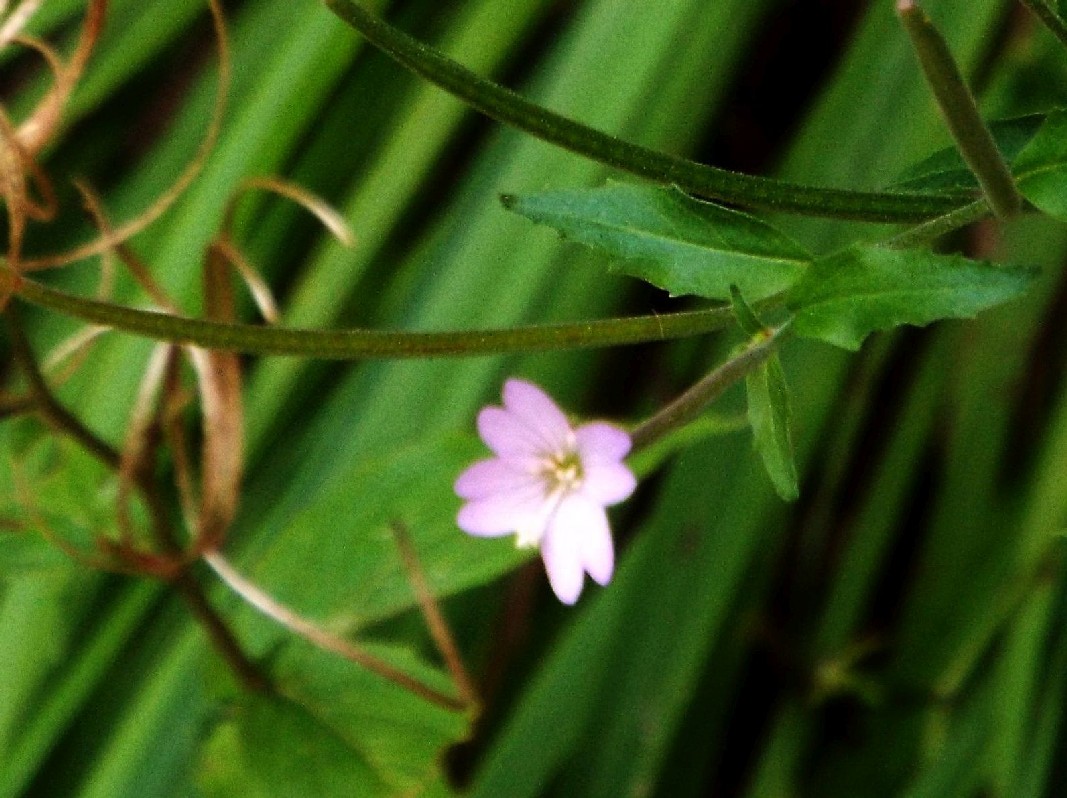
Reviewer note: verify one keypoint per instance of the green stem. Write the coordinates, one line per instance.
(1050, 18)
(958, 106)
(508, 107)
(355, 344)
(924, 234)
(691, 404)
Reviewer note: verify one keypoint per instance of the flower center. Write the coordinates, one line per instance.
(563, 472)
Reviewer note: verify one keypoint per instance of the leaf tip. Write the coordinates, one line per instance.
(788, 493)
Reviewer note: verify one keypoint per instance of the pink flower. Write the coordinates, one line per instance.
(549, 484)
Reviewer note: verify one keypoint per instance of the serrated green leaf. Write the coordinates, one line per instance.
(334, 729)
(1041, 168)
(769, 415)
(845, 297)
(945, 170)
(671, 240)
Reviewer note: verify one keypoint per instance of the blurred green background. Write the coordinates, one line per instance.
(897, 631)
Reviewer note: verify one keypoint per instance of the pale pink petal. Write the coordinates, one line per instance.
(502, 514)
(489, 477)
(600, 442)
(562, 556)
(607, 483)
(538, 412)
(507, 435)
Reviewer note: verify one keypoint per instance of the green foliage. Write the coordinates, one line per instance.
(945, 170)
(769, 415)
(345, 538)
(768, 409)
(1042, 166)
(845, 297)
(671, 240)
(919, 594)
(334, 729)
(49, 487)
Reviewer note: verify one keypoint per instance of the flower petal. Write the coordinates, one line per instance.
(608, 483)
(502, 514)
(600, 442)
(577, 539)
(598, 552)
(539, 413)
(510, 438)
(562, 556)
(493, 476)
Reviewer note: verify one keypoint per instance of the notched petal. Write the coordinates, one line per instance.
(598, 553)
(579, 537)
(563, 564)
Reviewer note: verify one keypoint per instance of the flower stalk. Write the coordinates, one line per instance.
(692, 403)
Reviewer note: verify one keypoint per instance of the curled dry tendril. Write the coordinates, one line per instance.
(126, 230)
(20, 144)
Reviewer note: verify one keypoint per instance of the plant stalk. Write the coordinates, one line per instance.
(960, 111)
(507, 106)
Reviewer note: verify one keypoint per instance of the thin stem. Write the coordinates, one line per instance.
(221, 636)
(691, 403)
(928, 232)
(431, 611)
(16, 405)
(359, 343)
(52, 411)
(192, 592)
(508, 107)
(1050, 18)
(958, 106)
(276, 611)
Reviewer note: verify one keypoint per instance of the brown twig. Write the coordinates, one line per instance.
(431, 611)
(16, 405)
(220, 634)
(50, 409)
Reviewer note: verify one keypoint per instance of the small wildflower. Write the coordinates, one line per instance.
(549, 484)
